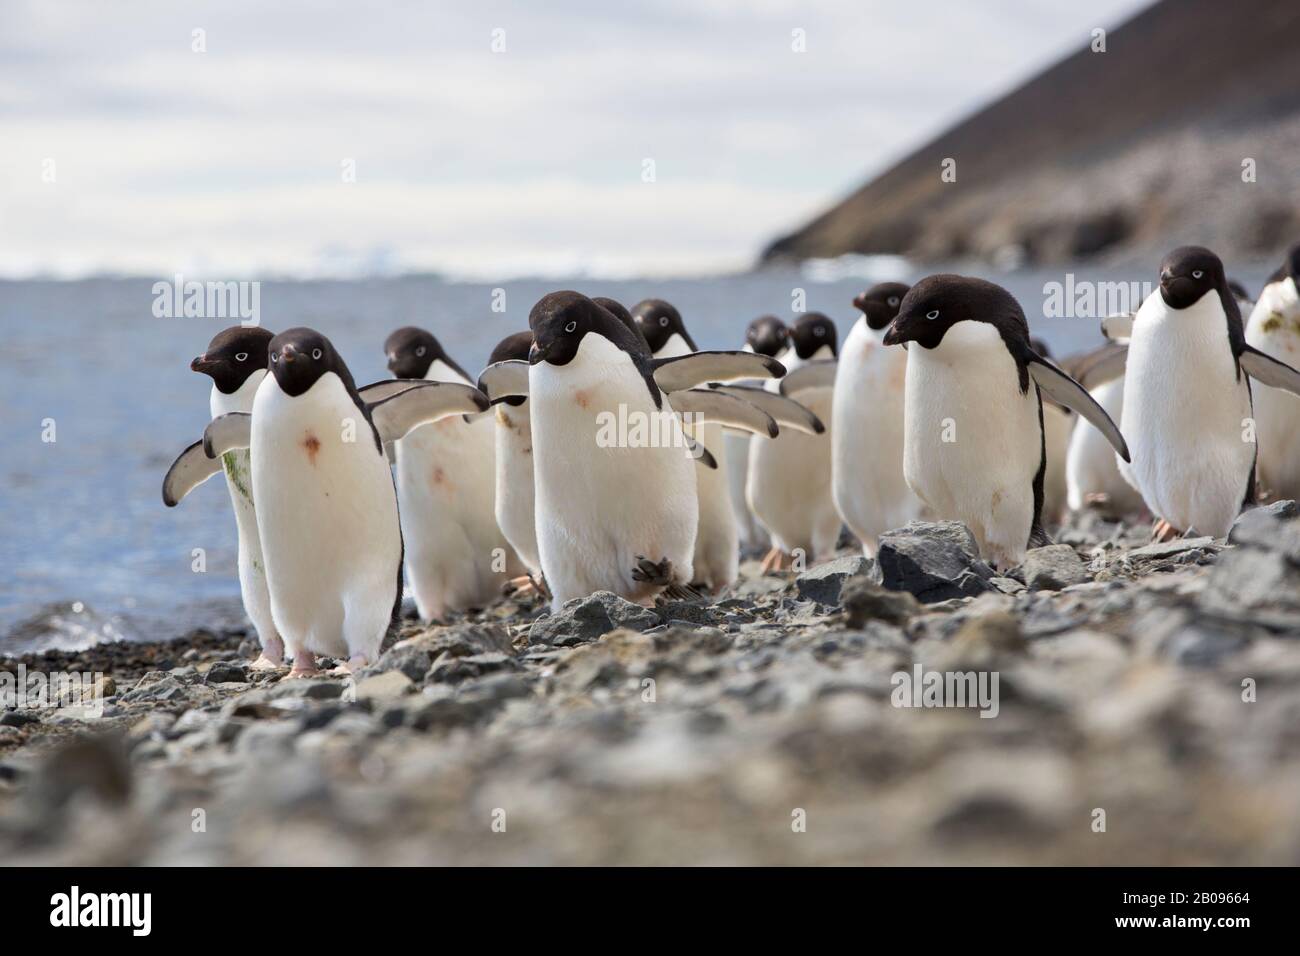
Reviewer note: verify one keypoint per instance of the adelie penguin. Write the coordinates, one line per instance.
(617, 512)
(456, 555)
(236, 361)
(789, 485)
(717, 541)
(974, 449)
(515, 494)
(1187, 398)
(766, 335)
(1274, 328)
(1092, 477)
(867, 446)
(326, 506)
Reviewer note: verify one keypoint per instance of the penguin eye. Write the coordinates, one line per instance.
(893, 301)
(932, 314)
(419, 352)
(275, 358)
(663, 320)
(241, 357)
(1197, 273)
(316, 354)
(571, 327)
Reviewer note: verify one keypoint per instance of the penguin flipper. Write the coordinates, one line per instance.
(228, 432)
(376, 392)
(819, 374)
(501, 380)
(427, 402)
(1065, 390)
(1099, 366)
(1118, 328)
(702, 455)
(681, 372)
(720, 408)
(190, 469)
(1264, 368)
(787, 412)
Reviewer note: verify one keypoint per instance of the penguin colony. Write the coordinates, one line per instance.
(601, 449)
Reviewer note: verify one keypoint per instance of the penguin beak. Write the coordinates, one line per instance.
(536, 354)
(288, 354)
(899, 332)
(203, 364)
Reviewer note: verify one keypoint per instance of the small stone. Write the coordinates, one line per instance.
(409, 659)
(307, 689)
(18, 718)
(1053, 567)
(585, 619)
(227, 672)
(935, 561)
(385, 687)
(823, 582)
(1168, 549)
(1259, 526)
(865, 600)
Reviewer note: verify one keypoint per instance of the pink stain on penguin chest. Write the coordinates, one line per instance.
(311, 445)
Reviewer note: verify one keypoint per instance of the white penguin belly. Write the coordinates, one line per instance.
(601, 504)
(789, 487)
(456, 555)
(750, 533)
(515, 494)
(717, 537)
(239, 483)
(1185, 416)
(870, 490)
(973, 442)
(1274, 327)
(1091, 466)
(1057, 426)
(327, 515)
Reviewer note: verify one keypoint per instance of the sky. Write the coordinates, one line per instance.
(475, 139)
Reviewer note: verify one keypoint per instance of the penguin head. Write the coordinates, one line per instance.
(659, 321)
(880, 303)
(412, 351)
(1187, 274)
(233, 355)
(938, 302)
(512, 347)
(560, 321)
(299, 357)
(767, 335)
(811, 333)
(620, 312)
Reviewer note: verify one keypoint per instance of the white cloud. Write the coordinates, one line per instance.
(469, 160)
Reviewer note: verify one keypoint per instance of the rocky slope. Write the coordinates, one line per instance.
(1120, 154)
(1157, 683)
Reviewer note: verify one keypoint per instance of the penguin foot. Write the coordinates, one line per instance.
(350, 667)
(525, 586)
(1096, 499)
(304, 665)
(775, 560)
(265, 663)
(650, 572)
(1163, 531)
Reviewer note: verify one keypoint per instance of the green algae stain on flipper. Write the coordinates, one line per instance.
(237, 472)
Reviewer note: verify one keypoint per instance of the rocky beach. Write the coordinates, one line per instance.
(1144, 709)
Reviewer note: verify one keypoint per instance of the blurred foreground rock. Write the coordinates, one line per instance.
(1159, 684)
